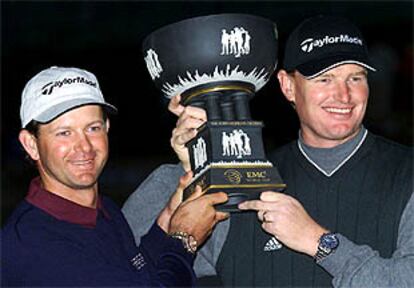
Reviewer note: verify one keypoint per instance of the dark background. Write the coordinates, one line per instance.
(105, 38)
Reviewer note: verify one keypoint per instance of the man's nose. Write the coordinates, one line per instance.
(83, 143)
(343, 92)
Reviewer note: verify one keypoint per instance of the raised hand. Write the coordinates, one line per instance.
(190, 118)
(197, 215)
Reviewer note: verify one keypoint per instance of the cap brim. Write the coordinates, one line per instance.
(317, 67)
(64, 107)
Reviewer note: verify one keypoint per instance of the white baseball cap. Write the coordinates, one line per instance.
(57, 90)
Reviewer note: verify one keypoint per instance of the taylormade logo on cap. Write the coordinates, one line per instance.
(56, 90)
(309, 44)
(48, 88)
(322, 43)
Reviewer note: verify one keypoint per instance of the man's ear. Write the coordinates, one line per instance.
(287, 85)
(29, 144)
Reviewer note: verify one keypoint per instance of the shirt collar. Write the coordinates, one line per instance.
(326, 160)
(62, 208)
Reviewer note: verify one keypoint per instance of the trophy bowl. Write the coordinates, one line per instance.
(212, 53)
(219, 62)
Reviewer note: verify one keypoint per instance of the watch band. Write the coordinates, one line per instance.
(328, 243)
(320, 255)
(189, 242)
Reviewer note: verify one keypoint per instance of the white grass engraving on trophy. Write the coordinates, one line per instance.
(256, 78)
(236, 42)
(200, 153)
(236, 143)
(153, 64)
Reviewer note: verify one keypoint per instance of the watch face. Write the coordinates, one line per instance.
(330, 241)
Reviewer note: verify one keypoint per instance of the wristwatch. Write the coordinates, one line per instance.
(328, 243)
(189, 242)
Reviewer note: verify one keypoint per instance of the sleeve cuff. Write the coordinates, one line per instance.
(348, 253)
(157, 243)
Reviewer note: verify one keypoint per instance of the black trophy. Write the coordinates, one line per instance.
(218, 62)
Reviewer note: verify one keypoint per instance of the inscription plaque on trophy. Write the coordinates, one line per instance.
(218, 63)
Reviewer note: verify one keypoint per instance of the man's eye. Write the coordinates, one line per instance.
(357, 78)
(323, 80)
(95, 128)
(63, 133)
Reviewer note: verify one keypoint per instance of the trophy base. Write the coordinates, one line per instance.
(240, 183)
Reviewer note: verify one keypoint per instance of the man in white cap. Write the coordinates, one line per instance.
(347, 216)
(64, 233)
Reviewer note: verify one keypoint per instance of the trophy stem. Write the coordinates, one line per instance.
(241, 105)
(213, 107)
(227, 109)
(199, 104)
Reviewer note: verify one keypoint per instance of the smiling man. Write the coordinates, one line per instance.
(349, 203)
(346, 218)
(64, 233)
